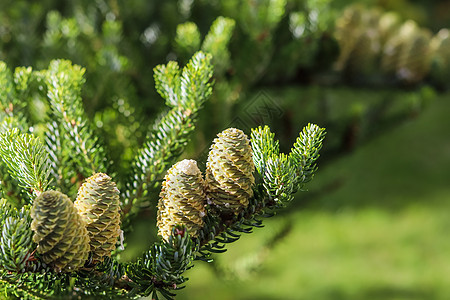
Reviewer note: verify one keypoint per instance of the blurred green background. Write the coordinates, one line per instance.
(373, 223)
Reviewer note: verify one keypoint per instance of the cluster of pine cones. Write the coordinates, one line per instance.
(227, 186)
(372, 41)
(69, 233)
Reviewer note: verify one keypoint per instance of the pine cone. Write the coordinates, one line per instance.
(414, 60)
(440, 45)
(15, 240)
(229, 170)
(98, 205)
(388, 26)
(359, 40)
(182, 199)
(347, 30)
(60, 233)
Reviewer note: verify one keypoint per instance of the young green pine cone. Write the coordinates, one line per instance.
(98, 205)
(440, 47)
(61, 235)
(182, 199)
(229, 170)
(414, 60)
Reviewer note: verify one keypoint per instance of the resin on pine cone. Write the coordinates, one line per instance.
(229, 170)
(98, 205)
(60, 233)
(182, 199)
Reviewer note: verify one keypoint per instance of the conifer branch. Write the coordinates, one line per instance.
(264, 147)
(41, 285)
(7, 92)
(216, 43)
(26, 160)
(8, 187)
(279, 179)
(167, 82)
(171, 134)
(13, 285)
(5, 209)
(276, 183)
(305, 153)
(161, 269)
(64, 82)
(187, 39)
(195, 85)
(55, 151)
(72, 144)
(10, 104)
(15, 238)
(276, 178)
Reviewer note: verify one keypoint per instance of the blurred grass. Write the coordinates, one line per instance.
(380, 231)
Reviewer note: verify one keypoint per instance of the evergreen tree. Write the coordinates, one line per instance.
(54, 248)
